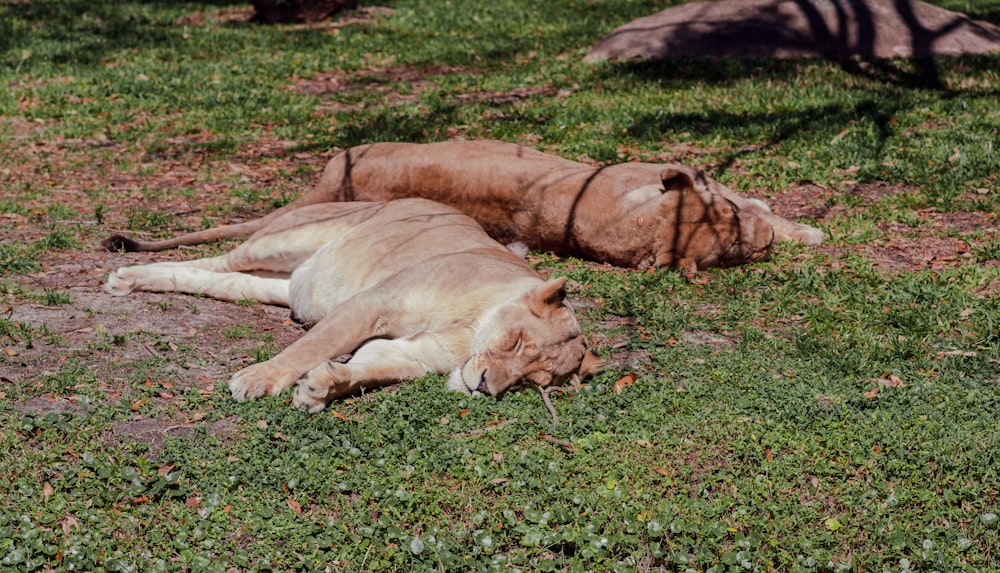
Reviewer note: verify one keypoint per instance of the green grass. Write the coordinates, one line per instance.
(811, 413)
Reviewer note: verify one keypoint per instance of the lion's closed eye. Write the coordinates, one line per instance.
(515, 343)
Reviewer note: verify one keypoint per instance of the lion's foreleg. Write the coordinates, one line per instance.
(341, 332)
(784, 229)
(378, 363)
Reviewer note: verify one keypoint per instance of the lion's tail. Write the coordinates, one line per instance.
(238, 231)
(122, 243)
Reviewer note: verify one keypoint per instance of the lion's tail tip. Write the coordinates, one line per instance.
(119, 243)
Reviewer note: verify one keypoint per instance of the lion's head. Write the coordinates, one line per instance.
(534, 339)
(705, 228)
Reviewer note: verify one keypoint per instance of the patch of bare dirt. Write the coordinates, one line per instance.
(388, 82)
(937, 240)
(227, 15)
(152, 431)
(186, 332)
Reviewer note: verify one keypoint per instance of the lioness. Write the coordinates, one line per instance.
(632, 214)
(409, 287)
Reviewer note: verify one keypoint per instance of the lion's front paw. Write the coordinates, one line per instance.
(120, 282)
(810, 236)
(264, 379)
(319, 385)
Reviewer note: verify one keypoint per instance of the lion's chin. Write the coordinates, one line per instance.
(457, 383)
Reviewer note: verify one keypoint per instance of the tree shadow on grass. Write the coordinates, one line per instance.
(80, 32)
(860, 35)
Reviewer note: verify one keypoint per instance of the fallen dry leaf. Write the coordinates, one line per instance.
(892, 381)
(295, 506)
(871, 393)
(339, 416)
(626, 380)
(69, 524)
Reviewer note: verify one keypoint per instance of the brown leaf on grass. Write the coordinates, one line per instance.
(47, 492)
(69, 524)
(164, 470)
(295, 506)
(892, 381)
(339, 416)
(626, 380)
(871, 393)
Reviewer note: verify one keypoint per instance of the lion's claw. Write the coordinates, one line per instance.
(315, 389)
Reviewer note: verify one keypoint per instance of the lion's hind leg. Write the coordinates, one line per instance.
(378, 363)
(200, 277)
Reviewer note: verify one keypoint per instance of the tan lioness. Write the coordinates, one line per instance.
(409, 287)
(631, 214)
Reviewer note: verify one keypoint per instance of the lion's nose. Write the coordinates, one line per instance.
(483, 388)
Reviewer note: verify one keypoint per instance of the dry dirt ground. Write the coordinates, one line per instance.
(196, 343)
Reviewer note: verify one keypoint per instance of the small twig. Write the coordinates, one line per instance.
(548, 403)
(496, 426)
(568, 446)
(172, 428)
(152, 351)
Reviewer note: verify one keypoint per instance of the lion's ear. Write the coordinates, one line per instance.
(548, 297)
(675, 180)
(591, 364)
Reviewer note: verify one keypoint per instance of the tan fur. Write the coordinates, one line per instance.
(409, 287)
(631, 214)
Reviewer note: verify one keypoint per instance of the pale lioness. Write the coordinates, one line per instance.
(631, 214)
(409, 287)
